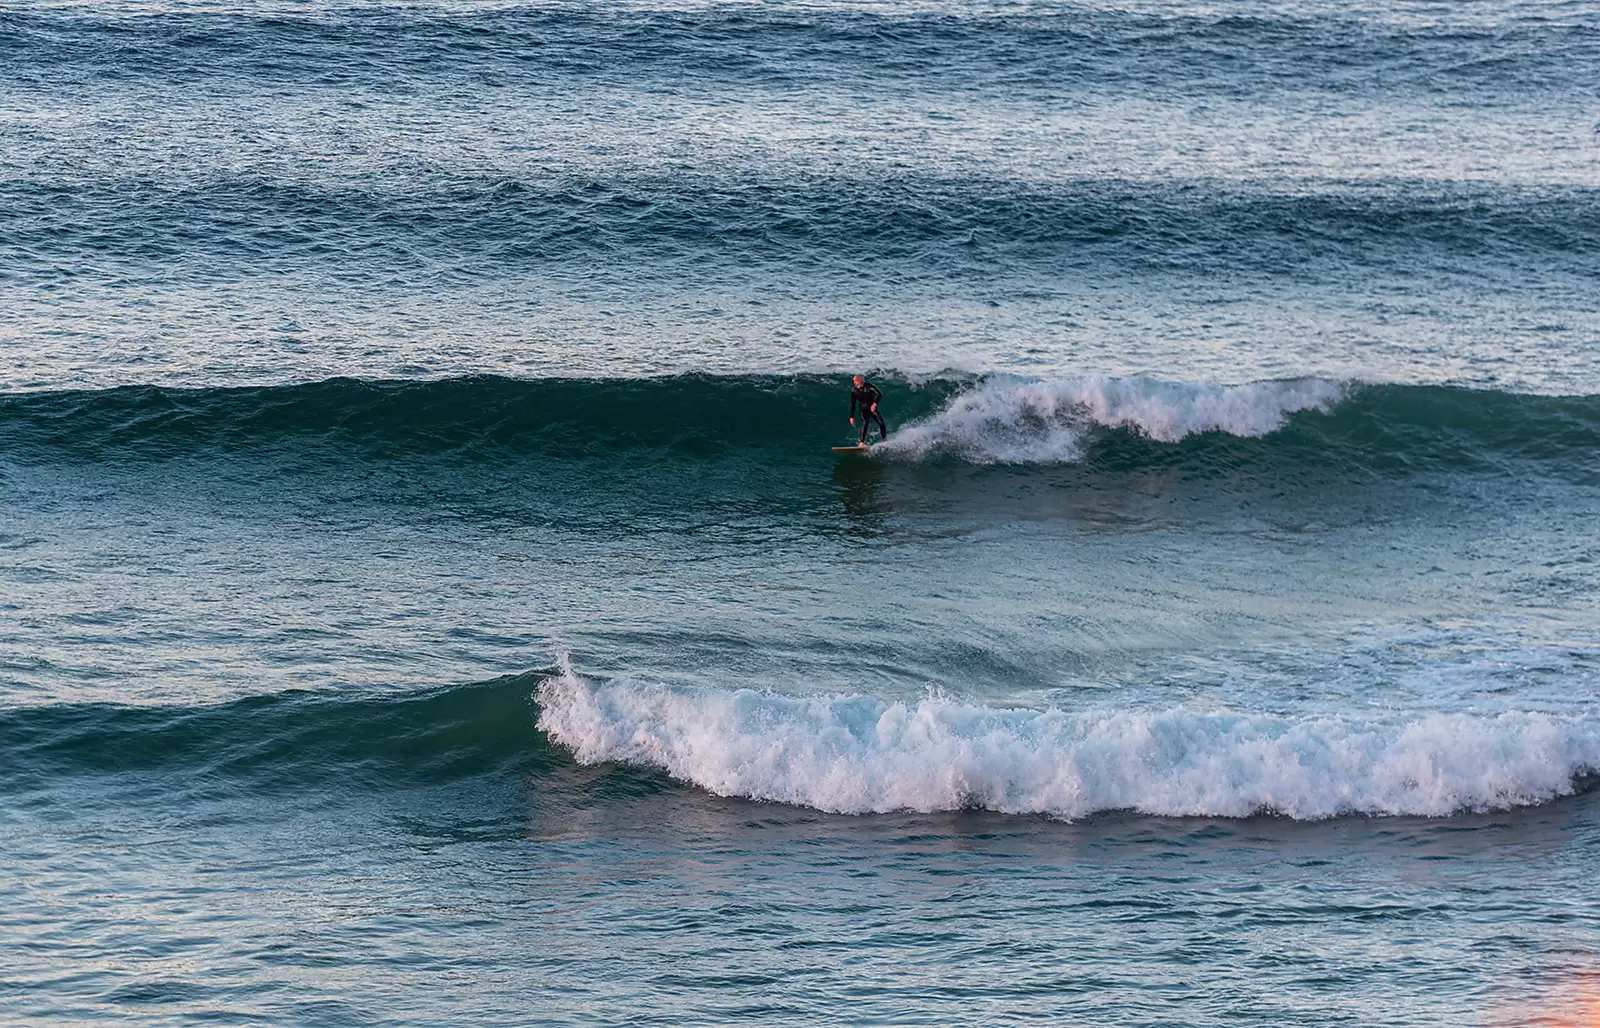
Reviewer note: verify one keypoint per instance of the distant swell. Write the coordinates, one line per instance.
(845, 229)
(861, 755)
(1051, 47)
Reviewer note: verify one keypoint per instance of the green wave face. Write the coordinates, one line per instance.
(286, 740)
(469, 418)
(1096, 424)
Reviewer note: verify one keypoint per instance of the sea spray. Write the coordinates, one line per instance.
(1019, 421)
(859, 754)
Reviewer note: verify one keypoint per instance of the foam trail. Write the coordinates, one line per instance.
(1006, 420)
(859, 754)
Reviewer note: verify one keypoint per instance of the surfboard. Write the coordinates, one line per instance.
(852, 449)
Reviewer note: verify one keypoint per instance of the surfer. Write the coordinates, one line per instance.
(865, 395)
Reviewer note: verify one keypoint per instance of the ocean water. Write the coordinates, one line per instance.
(427, 595)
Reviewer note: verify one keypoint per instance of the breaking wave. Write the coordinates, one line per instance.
(843, 754)
(1099, 422)
(859, 754)
(1023, 422)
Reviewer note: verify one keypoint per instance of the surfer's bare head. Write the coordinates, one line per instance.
(857, 379)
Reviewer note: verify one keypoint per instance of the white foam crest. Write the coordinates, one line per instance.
(860, 755)
(1007, 420)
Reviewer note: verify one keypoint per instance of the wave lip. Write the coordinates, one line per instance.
(858, 754)
(1011, 421)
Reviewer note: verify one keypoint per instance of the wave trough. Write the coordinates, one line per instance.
(859, 754)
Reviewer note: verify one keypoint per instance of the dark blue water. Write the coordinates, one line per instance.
(427, 594)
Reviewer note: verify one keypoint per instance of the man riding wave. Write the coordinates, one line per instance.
(865, 395)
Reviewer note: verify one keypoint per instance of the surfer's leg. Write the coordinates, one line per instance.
(883, 430)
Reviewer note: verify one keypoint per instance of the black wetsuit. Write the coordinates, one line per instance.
(867, 398)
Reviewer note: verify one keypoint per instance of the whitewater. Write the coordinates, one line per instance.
(857, 754)
(1016, 421)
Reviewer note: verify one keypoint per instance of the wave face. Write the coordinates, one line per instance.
(1098, 422)
(289, 740)
(858, 754)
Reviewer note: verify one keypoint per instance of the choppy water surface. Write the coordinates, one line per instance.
(427, 595)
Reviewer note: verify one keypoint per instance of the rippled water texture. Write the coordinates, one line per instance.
(427, 594)
(202, 193)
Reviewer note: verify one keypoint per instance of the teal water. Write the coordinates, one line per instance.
(427, 594)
